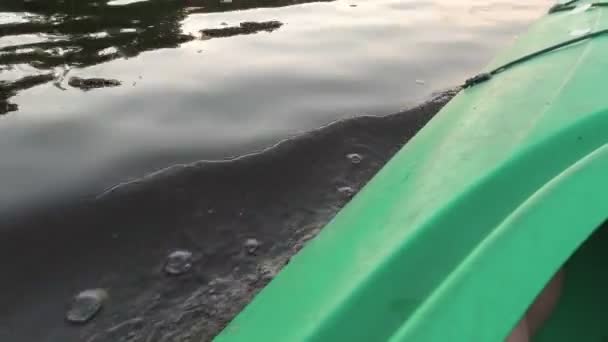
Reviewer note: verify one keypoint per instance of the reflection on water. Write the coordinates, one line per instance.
(185, 97)
(46, 34)
(97, 93)
(243, 28)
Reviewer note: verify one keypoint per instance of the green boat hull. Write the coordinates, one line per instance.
(455, 237)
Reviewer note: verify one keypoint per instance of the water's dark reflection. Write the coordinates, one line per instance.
(88, 32)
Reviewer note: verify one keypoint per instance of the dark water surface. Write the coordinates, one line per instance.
(202, 80)
(120, 242)
(185, 97)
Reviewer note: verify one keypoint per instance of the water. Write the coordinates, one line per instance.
(102, 185)
(184, 99)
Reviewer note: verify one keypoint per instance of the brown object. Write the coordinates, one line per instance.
(539, 311)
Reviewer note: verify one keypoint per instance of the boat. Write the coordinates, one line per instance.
(456, 236)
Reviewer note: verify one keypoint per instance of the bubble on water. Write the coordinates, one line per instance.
(580, 8)
(178, 262)
(251, 245)
(86, 305)
(355, 158)
(579, 32)
(346, 190)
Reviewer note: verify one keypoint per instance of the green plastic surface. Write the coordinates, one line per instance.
(454, 238)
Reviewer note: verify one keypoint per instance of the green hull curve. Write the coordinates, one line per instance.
(454, 238)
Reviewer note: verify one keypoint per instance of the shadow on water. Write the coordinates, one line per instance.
(65, 34)
(275, 201)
